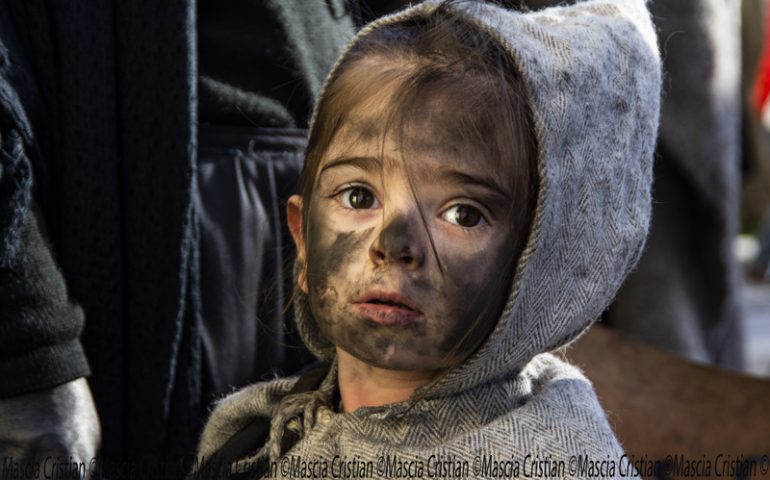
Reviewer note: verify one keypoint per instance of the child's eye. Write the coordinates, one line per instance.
(358, 198)
(464, 216)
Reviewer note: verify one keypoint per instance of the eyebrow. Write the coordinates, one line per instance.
(454, 177)
(464, 179)
(367, 164)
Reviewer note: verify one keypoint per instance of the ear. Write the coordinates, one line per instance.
(294, 216)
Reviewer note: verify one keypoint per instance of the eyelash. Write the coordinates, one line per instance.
(482, 217)
(338, 196)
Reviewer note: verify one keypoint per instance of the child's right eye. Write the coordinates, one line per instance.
(358, 198)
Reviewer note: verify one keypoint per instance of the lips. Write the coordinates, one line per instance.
(388, 308)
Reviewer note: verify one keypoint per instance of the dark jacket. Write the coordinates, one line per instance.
(98, 119)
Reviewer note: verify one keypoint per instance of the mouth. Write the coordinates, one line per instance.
(388, 308)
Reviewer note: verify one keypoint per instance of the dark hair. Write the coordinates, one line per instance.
(436, 60)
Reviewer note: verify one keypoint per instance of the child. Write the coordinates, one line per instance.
(477, 187)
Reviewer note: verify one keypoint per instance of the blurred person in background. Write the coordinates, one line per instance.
(684, 296)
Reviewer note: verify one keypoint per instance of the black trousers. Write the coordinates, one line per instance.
(245, 176)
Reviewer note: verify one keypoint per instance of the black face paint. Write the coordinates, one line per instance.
(396, 283)
(395, 243)
(455, 305)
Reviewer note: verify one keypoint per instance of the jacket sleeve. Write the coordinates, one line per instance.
(39, 326)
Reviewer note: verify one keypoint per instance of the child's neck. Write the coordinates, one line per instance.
(362, 385)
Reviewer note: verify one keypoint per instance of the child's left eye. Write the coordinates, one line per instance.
(464, 216)
(358, 198)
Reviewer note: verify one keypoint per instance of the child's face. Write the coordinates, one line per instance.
(407, 261)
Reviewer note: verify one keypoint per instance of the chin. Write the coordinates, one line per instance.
(401, 362)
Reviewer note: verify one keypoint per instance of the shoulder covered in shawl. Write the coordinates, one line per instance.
(518, 420)
(237, 410)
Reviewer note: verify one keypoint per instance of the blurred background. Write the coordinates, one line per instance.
(752, 246)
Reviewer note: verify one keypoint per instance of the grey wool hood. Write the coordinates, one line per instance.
(592, 77)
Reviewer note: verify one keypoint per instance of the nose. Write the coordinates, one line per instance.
(398, 243)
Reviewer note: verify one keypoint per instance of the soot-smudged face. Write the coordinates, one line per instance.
(407, 254)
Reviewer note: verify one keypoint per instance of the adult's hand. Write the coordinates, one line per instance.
(661, 404)
(51, 429)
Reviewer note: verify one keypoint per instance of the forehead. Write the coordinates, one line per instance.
(421, 141)
(415, 121)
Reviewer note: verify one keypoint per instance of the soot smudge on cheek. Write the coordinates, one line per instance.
(324, 265)
(330, 289)
(324, 297)
(475, 314)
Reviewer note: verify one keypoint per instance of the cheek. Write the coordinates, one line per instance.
(475, 289)
(333, 259)
(482, 270)
(330, 251)
(329, 266)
